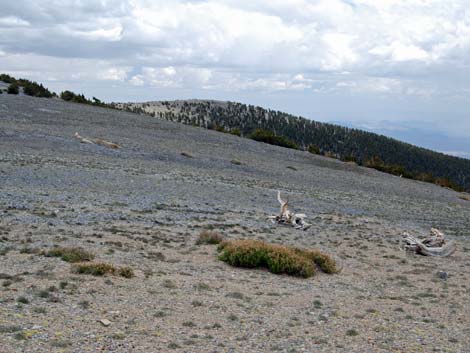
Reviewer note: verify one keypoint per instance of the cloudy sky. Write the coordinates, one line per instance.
(397, 67)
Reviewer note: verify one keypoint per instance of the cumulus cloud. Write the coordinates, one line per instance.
(381, 38)
(383, 48)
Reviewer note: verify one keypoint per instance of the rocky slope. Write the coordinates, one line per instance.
(143, 206)
(366, 148)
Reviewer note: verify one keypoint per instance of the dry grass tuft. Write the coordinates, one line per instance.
(70, 254)
(101, 269)
(276, 258)
(209, 237)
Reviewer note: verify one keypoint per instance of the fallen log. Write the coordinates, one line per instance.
(97, 141)
(433, 245)
(286, 217)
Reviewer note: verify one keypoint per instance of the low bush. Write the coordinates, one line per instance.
(325, 262)
(101, 269)
(276, 258)
(71, 254)
(236, 131)
(34, 89)
(271, 138)
(7, 78)
(208, 237)
(313, 149)
(13, 89)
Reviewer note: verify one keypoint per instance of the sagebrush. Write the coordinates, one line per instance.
(276, 258)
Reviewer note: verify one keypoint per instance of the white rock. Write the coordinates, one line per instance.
(105, 322)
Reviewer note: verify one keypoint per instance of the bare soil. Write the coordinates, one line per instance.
(144, 205)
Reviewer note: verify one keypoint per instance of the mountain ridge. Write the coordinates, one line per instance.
(347, 143)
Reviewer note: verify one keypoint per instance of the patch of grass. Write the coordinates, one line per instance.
(40, 310)
(84, 304)
(101, 269)
(60, 343)
(326, 263)
(160, 314)
(189, 324)
(317, 304)
(203, 287)
(126, 272)
(232, 317)
(276, 258)
(71, 254)
(209, 237)
(22, 300)
(352, 332)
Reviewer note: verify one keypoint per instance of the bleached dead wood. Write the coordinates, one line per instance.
(97, 141)
(433, 245)
(286, 217)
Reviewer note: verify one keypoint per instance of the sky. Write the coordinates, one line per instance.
(397, 67)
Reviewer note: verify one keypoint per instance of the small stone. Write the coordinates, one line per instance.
(443, 275)
(105, 322)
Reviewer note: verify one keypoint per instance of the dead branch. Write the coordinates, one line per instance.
(433, 245)
(286, 217)
(97, 141)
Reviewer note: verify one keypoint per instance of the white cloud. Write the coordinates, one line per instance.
(408, 58)
(13, 21)
(114, 74)
(172, 77)
(399, 52)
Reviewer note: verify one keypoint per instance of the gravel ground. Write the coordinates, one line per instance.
(144, 205)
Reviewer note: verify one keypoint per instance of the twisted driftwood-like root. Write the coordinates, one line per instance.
(433, 245)
(286, 217)
(97, 142)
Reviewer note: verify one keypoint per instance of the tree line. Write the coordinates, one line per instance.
(364, 148)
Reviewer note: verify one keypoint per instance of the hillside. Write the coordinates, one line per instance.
(365, 148)
(143, 206)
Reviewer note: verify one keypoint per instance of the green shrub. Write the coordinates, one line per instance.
(101, 269)
(326, 263)
(276, 258)
(7, 78)
(71, 254)
(67, 96)
(13, 89)
(34, 89)
(208, 237)
(313, 149)
(236, 131)
(349, 158)
(269, 137)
